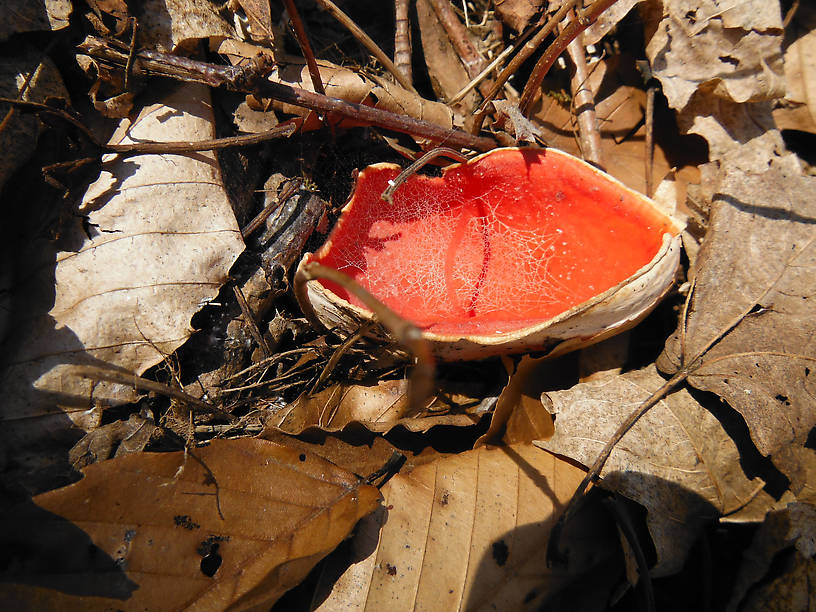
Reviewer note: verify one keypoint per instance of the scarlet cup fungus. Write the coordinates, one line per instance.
(515, 250)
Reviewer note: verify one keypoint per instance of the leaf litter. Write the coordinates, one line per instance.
(745, 336)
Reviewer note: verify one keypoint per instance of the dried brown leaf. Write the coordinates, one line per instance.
(159, 531)
(517, 13)
(787, 539)
(493, 509)
(127, 437)
(119, 291)
(798, 110)
(677, 460)
(755, 285)
(166, 25)
(445, 68)
(731, 52)
(378, 406)
(519, 415)
(24, 16)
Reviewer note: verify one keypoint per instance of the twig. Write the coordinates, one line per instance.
(491, 67)
(403, 331)
(582, 21)
(271, 207)
(649, 119)
(249, 319)
(367, 42)
(458, 35)
(159, 148)
(402, 40)
(268, 362)
(26, 84)
(338, 353)
(137, 382)
(393, 185)
(131, 51)
(250, 79)
(584, 104)
(303, 41)
(526, 51)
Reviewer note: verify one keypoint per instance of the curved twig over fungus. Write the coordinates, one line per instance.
(517, 249)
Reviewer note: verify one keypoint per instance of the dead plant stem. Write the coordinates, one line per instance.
(403, 331)
(252, 79)
(393, 185)
(584, 106)
(303, 41)
(143, 384)
(524, 53)
(365, 40)
(581, 22)
(460, 39)
(402, 40)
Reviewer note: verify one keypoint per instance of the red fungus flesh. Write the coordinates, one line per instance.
(508, 240)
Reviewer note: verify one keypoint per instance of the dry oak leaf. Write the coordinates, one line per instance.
(470, 532)
(677, 460)
(120, 291)
(755, 285)
(731, 52)
(158, 531)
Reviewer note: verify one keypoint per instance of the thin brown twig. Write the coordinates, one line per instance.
(26, 84)
(393, 185)
(491, 66)
(137, 382)
(131, 52)
(338, 353)
(249, 319)
(403, 331)
(266, 363)
(581, 22)
(584, 104)
(303, 41)
(458, 35)
(271, 207)
(250, 79)
(402, 40)
(524, 53)
(649, 121)
(367, 42)
(159, 148)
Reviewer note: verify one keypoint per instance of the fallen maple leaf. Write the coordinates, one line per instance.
(677, 460)
(751, 324)
(234, 524)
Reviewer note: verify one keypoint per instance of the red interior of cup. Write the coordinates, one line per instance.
(503, 242)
